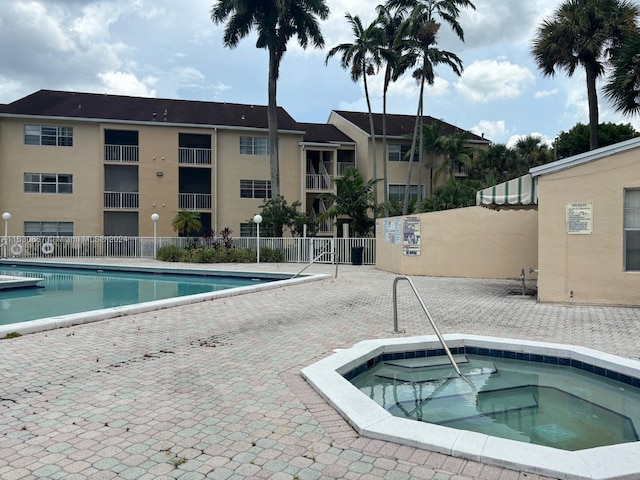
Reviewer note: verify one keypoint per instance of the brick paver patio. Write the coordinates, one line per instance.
(213, 390)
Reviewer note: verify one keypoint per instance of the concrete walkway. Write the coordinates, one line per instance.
(213, 390)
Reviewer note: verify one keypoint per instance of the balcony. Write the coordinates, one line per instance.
(121, 200)
(194, 201)
(458, 169)
(318, 182)
(194, 156)
(342, 166)
(121, 153)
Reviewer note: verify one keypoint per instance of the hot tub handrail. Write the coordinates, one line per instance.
(433, 324)
(326, 252)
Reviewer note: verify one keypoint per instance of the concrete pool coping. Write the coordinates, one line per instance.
(68, 320)
(372, 421)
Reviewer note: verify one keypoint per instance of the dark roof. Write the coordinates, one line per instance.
(398, 125)
(323, 133)
(50, 103)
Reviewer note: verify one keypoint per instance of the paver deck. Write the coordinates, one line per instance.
(213, 390)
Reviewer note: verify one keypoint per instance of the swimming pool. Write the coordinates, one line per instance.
(77, 293)
(370, 419)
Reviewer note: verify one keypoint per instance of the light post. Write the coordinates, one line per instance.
(6, 216)
(155, 217)
(257, 218)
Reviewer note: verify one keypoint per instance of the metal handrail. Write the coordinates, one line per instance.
(433, 324)
(333, 255)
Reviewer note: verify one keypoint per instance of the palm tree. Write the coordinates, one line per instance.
(421, 28)
(362, 58)
(457, 152)
(185, 223)
(354, 198)
(623, 87)
(584, 33)
(397, 57)
(276, 21)
(433, 144)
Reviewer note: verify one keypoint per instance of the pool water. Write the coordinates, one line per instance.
(66, 291)
(533, 402)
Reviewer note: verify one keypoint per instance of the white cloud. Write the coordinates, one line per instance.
(488, 80)
(545, 93)
(493, 130)
(120, 83)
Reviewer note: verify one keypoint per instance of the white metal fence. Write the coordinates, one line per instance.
(294, 250)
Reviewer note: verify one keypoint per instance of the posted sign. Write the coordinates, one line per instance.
(579, 218)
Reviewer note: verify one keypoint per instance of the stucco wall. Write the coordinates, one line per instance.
(467, 242)
(592, 265)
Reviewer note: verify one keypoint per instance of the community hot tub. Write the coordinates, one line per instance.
(376, 413)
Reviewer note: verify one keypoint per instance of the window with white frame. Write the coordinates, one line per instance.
(632, 230)
(400, 153)
(48, 229)
(54, 135)
(48, 183)
(254, 145)
(255, 188)
(396, 192)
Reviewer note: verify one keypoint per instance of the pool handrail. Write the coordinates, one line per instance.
(433, 324)
(325, 252)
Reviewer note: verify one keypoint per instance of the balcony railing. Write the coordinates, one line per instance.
(458, 169)
(318, 182)
(194, 201)
(124, 200)
(194, 156)
(121, 153)
(344, 165)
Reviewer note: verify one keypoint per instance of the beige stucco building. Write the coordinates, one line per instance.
(575, 222)
(89, 164)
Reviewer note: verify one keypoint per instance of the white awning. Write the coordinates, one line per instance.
(517, 193)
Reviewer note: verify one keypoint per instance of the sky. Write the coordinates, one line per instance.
(172, 49)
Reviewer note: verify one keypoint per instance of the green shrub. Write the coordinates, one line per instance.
(269, 255)
(170, 253)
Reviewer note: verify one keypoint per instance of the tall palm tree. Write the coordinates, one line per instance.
(584, 33)
(433, 144)
(623, 87)
(362, 58)
(397, 57)
(456, 149)
(276, 22)
(421, 27)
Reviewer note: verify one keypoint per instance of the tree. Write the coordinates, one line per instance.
(354, 198)
(362, 58)
(492, 165)
(421, 29)
(277, 214)
(584, 33)
(457, 152)
(186, 223)
(530, 151)
(623, 87)
(276, 22)
(453, 194)
(576, 140)
(433, 144)
(398, 58)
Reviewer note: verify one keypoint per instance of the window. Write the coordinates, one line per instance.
(254, 146)
(255, 188)
(48, 135)
(48, 229)
(48, 183)
(632, 230)
(248, 230)
(400, 153)
(396, 192)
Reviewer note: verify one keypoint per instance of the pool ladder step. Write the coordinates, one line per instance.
(431, 369)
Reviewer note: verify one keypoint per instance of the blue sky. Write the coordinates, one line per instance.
(171, 49)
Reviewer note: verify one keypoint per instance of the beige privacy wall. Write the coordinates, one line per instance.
(466, 242)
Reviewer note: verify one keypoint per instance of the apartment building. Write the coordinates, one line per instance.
(91, 164)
